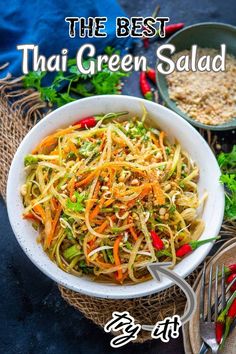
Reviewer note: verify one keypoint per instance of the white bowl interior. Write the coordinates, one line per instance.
(174, 126)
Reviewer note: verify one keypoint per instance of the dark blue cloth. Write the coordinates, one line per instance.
(42, 22)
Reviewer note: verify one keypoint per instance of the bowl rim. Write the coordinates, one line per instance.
(171, 104)
(124, 291)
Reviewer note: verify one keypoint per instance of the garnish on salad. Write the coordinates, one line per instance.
(110, 198)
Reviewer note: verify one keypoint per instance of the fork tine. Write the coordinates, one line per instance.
(202, 293)
(209, 296)
(216, 292)
(223, 292)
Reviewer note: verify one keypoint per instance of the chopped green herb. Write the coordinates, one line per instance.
(71, 156)
(116, 230)
(48, 94)
(78, 206)
(69, 234)
(168, 150)
(34, 78)
(67, 87)
(172, 209)
(137, 129)
(72, 252)
(110, 256)
(229, 180)
(85, 268)
(163, 253)
(30, 160)
(227, 163)
(68, 218)
(128, 245)
(87, 148)
(161, 228)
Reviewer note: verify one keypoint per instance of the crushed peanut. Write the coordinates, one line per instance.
(208, 97)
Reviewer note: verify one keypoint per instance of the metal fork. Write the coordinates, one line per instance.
(207, 324)
(221, 302)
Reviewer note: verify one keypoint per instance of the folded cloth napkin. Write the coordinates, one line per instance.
(42, 22)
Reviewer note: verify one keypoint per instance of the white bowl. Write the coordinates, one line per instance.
(168, 121)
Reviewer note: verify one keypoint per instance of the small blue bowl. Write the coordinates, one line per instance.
(205, 35)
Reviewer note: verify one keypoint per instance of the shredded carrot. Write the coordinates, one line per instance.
(103, 264)
(118, 140)
(116, 151)
(131, 190)
(30, 216)
(66, 149)
(71, 187)
(97, 222)
(116, 257)
(53, 203)
(108, 202)
(124, 276)
(143, 194)
(111, 177)
(95, 194)
(118, 166)
(48, 239)
(159, 194)
(155, 140)
(72, 147)
(39, 210)
(48, 141)
(52, 139)
(92, 244)
(54, 152)
(103, 226)
(97, 209)
(131, 229)
(86, 180)
(103, 142)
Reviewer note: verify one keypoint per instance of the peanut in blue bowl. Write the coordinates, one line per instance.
(204, 35)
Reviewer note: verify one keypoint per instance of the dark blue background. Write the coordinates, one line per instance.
(33, 316)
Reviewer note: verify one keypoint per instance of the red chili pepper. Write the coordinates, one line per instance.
(191, 246)
(87, 122)
(230, 269)
(219, 331)
(145, 39)
(170, 29)
(183, 250)
(221, 321)
(145, 42)
(229, 279)
(232, 310)
(151, 73)
(230, 317)
(157, 241)
(90, 122)
(144, 86)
